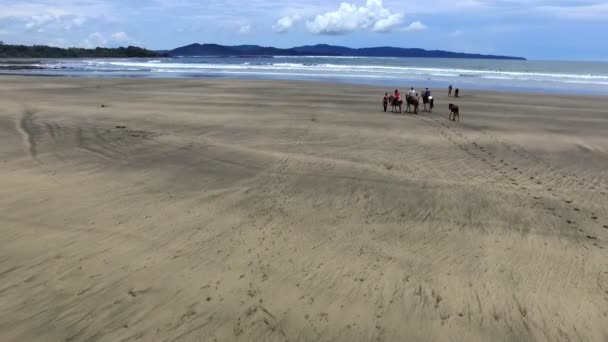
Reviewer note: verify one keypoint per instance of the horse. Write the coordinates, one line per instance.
(454, 112)
(395, 103)
(427, 101)
(412, 101)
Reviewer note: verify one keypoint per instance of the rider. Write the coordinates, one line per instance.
(397, 95)
(425, 97)
(412, 93)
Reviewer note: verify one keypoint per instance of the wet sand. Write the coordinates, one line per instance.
(298, 211)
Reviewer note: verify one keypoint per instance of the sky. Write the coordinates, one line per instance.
(535, 29)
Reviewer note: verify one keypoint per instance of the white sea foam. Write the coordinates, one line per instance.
(517, 73)
(378, 69)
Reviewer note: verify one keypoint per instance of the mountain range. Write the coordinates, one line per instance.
(216, 50)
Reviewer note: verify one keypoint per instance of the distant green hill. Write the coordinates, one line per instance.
(41, 51)
(322, 50)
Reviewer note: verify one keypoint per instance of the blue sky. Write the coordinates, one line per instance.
(537, 29)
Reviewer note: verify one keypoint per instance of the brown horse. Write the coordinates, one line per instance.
(412, 102)
(395, 103)
(454, 112)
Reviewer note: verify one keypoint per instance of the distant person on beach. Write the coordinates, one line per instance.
(450, 90)
(457, 92)
(385, 101)
(425, 98)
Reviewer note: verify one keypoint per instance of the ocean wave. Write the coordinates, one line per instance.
(336, 57)
(317, 67)
(331, 67)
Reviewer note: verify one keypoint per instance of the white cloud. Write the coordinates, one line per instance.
(583, 11)
(78, 21)
(286, 23)
(121, 37)
(75, 22)
(349, 18)
(95, 40)
(98, 39)
(37, 22)
(35, 12)
(245, 28)
(388, 24)
(415, 26)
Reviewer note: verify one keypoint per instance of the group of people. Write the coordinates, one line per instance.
(427, 99)
(456, 92)
(396, 101)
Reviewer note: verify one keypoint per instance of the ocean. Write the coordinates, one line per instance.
(466, 74)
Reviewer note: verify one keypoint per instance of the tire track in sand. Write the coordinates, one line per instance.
(26, 126)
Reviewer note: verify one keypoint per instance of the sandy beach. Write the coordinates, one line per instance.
(225, 210)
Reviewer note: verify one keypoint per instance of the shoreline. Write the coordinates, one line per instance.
(390, 86)
(584, 78)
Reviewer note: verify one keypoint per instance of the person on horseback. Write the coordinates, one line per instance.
(412, 93)
(425, 98)
(397, 100)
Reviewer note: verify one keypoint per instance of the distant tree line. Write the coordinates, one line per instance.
(41, 51)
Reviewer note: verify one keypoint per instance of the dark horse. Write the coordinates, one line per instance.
(412, 102)
(454, 112)
(395, 103)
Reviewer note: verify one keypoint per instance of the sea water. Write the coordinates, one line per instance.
(467, 74)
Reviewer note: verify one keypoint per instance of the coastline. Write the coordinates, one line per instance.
(236, 210)
(584, 78)
(390, 85)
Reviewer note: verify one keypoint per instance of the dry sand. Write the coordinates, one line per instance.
(298, 211)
